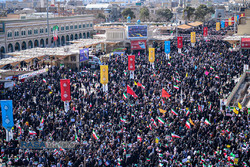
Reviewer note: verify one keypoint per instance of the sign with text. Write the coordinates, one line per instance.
(84, 54)
(245, 43)
(137, 31)
(138, 45)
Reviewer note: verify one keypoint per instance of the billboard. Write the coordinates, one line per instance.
(84, 54)
(137, 31)
(138, 45)
(245, 43)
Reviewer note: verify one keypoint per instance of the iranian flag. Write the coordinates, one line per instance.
(123, 120)
(169, 63)
(199, 108)
(175, 136)
(207, 122)
(95, 135)
(216, 76)
(188, 125)
(32, 132)
(174, 112)
(76, 138)
(178, 81)
(160, 120)
(42, 122)
(188, 112)
(44, 80)
(139, 138)
(210, 105)
(176, 87)
(211, 68)
(139, 84)
(125, 96)
(55, 152)
(55, 32)
(19, 127)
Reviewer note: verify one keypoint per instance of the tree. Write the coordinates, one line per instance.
(144, 13)
(128, 12)
(202, 11)
(100, 16)
(165, 13)
(189, 12)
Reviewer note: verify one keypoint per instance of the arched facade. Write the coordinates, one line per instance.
(88, 35)
(42, 43)
(10, 48)
(63, 40)
(84, 35)
(36, 44)
(80, 36)
(17, 47)
(2, 50)
(24, 45)
(71, 37)
(30, 44)
(76, 36)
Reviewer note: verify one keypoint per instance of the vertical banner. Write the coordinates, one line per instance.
(193, 37)
(65, 90)
(131, 62)
(235, 18)
(151, 55)
(218, 26)
(232, 19)
(167, 47)
(238, 17)
(226, 23)
(104, 74)
(229, 22)
(205, 31)
(7, 114)
(222, 24)
(179, 42)
(84, 54)
(242, 15)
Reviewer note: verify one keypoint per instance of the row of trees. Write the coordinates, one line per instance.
(166, 15)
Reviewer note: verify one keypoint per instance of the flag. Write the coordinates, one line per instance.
(139, 138)
(42, 122)
(240, 106)
(174, 112)
(206, 72)
(188, 112)
(95, 135)
(32, 132)
(169, 63)
(131, 92)
(165, 94)
(188, 125)
(76, 138)
(175, 136)
(207, 122)
(199, 107)
(148, 159)
(190, 120)
(55, 152)
(135, 83)
(44, 80)
(216, 76)
(177, 80)
(162, 111)
(19, 127)
(235, 111)
(210, 105)
(122, 119)
(139, 84)
(125, 96)
(160, 120)
(176, 87)
(211, 68)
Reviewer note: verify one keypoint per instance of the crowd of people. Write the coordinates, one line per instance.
(189, 127)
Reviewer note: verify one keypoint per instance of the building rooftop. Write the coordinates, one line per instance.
(98, 6)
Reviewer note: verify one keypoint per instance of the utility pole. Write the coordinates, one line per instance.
(176, 24)
(48, 21)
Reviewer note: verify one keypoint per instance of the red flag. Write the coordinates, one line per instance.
(131, 62)
(165, 94)
(131, 92)
(205, 31)
(65, 89)
(199, 107)
(226, 22)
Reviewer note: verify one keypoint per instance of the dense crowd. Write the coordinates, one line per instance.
(133, 131)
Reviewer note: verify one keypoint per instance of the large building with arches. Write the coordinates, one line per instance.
(16, 35)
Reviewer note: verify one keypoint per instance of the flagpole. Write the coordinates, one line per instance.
(47, 21)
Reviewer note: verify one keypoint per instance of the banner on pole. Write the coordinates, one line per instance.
(226, 23)
(205, 31)
(104, 74)
(65, 90)
(179, 42)
(7, 114)
(222, 24)
(167, 47)
(131, 62)
(229, 22)
(193, 37)
(151, 56)
(84, 54)
(218, 26)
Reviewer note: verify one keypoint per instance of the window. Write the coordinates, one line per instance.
(23, 33)
(29, 32)
(80, 26)
(71, 27)
(41, 31)
(83, 26)
(36, 31)
(62, 28)
(51, 29)
(91, 25)
(46, 30)
(67, 27)
(87, 25)
(16, 33)
(9, 34)
(75, 26)
(73, 58)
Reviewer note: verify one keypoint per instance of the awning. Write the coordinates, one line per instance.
(184, 27)
(195, 24)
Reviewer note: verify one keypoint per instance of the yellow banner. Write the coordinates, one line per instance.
(104, 74)
(151, 56)
(218, 26)
(229, 22)
(193, 37)
(235, 18)
(162, 111)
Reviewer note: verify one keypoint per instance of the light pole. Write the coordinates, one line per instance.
(48, 20)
